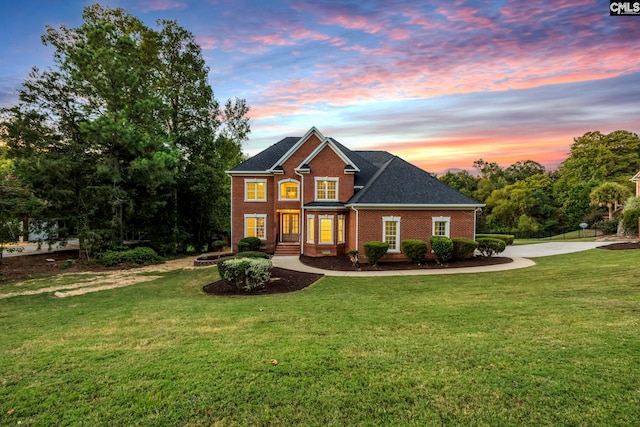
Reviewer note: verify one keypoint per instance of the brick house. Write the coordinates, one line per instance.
(314, 196)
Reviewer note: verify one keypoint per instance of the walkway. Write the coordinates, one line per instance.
(519, 254)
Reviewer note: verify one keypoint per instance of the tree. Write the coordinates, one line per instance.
(462, 181)
(594, 159)
(521, 170)
(114, 137)
(609, 194)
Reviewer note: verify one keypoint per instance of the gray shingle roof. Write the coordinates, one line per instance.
(398, 182)
(265, 159)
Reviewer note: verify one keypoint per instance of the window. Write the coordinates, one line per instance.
(326, 228)
(254, 226)
(289, 189)
(255, 190)
(391, 232)
(441, 225)
(326, 188)
(311, 228)
(341, 233)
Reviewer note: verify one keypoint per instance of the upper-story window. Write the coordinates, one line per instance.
(327, 188)
(289, 189)
(255, 190)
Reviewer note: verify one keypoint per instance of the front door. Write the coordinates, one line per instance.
(290, 227)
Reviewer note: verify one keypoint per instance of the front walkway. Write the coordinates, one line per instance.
(293, 263)
(519, 254)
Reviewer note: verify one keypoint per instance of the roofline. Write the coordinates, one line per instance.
(297, 145)
(248, 173)
(336, 149)
(413, 206)
(635, 178)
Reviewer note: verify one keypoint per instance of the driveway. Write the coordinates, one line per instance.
(548, 249)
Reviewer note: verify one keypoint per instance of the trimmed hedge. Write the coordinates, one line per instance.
(375, 250)
(250, 254)
(463, 248)
(248, 244)
(442, 248)
(247, 273)
(506, 238)
(137, 256)
(489, 246)
(415, 250)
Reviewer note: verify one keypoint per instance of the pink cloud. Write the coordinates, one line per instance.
(153, 5)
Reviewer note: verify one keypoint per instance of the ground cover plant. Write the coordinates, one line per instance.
(554, 344)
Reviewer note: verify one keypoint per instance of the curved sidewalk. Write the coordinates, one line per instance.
(293, 263)
(519, 254)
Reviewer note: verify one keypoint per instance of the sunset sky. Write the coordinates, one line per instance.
(440, 84)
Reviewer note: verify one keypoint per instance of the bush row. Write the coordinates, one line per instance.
(444, 248)
(137, 256)
(506, 238)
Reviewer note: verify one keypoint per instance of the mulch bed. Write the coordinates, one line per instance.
(621, 246)
(282, 281)
(29, 266)
(342, 263)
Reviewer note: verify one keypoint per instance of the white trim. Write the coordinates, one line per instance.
(320, 218)
(329, 143)
(263, 216)
(282, 181)
(289, 153)
(248, 173)
(447, 226)
(326, 178)
(342, 237)
(413, 207)
(254, 181)
(395, 219)
(311, 229)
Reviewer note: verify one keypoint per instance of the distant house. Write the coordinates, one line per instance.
(636, 179)
(312, 195)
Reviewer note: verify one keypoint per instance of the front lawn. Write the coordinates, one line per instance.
(554, 344)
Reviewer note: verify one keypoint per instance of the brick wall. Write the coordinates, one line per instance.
(413, 225)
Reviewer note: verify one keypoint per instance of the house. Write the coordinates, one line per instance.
(636, 180)
(314, 196)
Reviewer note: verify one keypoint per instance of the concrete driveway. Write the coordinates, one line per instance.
(548, 249)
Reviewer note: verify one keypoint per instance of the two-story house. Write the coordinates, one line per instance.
(314, 196)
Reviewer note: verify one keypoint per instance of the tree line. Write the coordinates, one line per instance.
(525, 198)
(121, 139)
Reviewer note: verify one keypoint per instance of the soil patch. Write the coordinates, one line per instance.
(621, 246)
(46, 264)
(282, 281)
(342, 263)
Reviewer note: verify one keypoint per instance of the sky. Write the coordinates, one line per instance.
(437, 83)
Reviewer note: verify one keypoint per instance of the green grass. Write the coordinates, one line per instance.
(573, 236)
(554, 344)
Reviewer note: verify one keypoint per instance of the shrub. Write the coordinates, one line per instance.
(247, 273)
(249, 244)
(608, 226)
(506, 238)
(415, 250)
(137, 256)
(630, 218)
(251, 254)
(489, 246)
(442, 248)
(375, 250)
(218, 245)
(462, 247)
